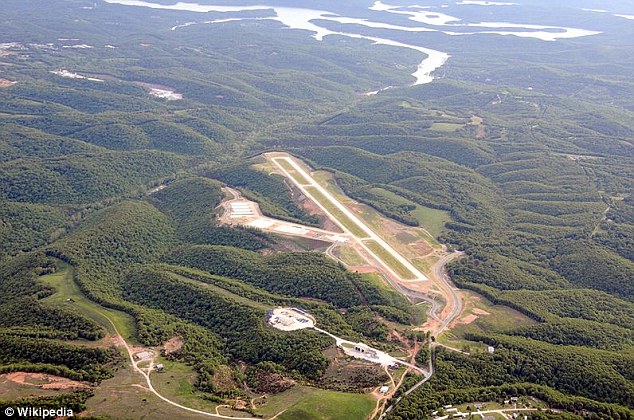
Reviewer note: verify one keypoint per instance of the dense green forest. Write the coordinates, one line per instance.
(527, 145)
(244, 333)
(192, 203)
(532, 221)
(293, 274)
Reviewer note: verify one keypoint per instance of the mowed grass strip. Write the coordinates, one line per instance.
(219, 290)
(66, 288)
(389, 259)
(298, 177)
(336, 213)
(349, 256)
(431, 219)
(445, 126)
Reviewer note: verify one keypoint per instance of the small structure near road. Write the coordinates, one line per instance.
(72, 75)
(170, 95)
(157, 189)
(5, 82)
(292, 319)
(384, 389)
(367, 353)
(159, 367)
(142, 355)
(365, 350)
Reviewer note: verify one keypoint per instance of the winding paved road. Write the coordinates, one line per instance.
(454, 302)
(443, 278)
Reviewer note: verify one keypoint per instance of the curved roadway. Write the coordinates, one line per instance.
(150, 387)
(454, 302)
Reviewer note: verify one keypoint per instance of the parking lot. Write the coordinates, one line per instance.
(290, 319)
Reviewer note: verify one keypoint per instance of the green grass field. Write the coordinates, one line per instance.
(475, 120)
(307, 244)
(499, 319)
(305, 403)
(176, 382)
(378, 280)
(431, 219)
(66, 288)
(326, 180)
(389, 259)
(349, 256)
(338, 214)
(425, 264)
(446, 127)
(120, 397)
(266, 167)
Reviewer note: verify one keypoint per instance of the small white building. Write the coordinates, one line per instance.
(159, 367)
(384, 389)
(491, 349)
(365, 349)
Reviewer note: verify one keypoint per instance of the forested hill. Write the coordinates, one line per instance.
(535, 205)
(539, 210)
(119, 125)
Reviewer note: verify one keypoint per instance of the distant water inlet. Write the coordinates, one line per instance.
(426, 21)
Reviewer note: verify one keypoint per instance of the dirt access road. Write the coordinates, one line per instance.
(146, 375)
(438, 322)
(454, 306)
